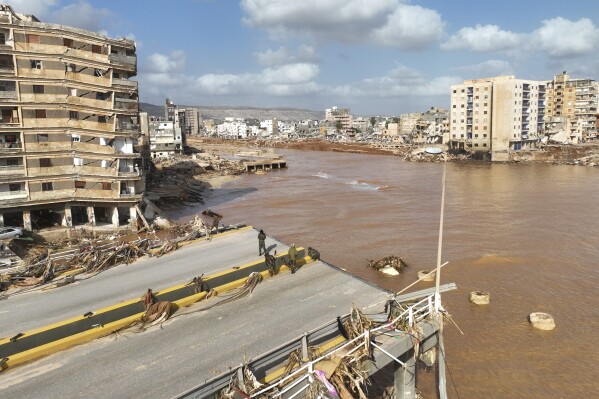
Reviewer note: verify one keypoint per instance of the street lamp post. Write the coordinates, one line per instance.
(437, 151)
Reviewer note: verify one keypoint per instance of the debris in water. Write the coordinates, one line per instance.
(391, 265)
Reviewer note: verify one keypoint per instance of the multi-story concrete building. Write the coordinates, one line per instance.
(341, 117)
(193, 121)
(270, 127)
(165, 139)
(497, 115)
(572, 105)
(69, 130)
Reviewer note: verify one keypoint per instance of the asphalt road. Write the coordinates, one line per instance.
(164, 361)
(39, 308)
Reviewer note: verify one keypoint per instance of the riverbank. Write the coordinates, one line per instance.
(581, 155)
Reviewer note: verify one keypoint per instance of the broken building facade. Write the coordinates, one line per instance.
(69, 128)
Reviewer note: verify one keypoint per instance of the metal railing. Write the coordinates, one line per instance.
(317, 337)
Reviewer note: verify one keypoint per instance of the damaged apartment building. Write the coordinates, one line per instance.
(69, 130)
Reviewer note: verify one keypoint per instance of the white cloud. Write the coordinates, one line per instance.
(560, 37)
(161, 63)
(487, 68)
(82, 15)
(39, 8)
(410, 28)
(283, 56)
(483, 38)
(383, 22)
(401, 81)
(291, 79)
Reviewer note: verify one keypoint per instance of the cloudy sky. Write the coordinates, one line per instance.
(383, 57)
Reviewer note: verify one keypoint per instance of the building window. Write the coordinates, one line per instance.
(454, 106)
(484, 144)
(40, 113)
(79, 184)
(68, 43)
(47, 186)
(14, 187)
(484, 136)
(75, 138)
(42, 138)
(73, 115)
(33, 39)
(107, 186)
(2, 38)
(98, 73)
(38, 89)
(45, 162)
(96, 49)
(36, 64)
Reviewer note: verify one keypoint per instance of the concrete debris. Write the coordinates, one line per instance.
(45, 263)
(391, 265)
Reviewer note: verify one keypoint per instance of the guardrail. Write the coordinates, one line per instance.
(327, 333)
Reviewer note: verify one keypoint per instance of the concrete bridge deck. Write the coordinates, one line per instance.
(40, 308)
(186, 350)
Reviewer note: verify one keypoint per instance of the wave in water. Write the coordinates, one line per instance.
(355, 184)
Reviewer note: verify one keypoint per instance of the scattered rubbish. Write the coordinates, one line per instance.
(391, 265)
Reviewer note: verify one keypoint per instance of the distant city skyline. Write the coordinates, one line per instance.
(383, 57)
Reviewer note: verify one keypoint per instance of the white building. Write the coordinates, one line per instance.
(270, 127)
(165, 139)
(497, 115)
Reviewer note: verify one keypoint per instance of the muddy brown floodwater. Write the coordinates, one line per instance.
(528, 234)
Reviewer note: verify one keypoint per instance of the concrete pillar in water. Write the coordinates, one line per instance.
(133, 216)
(114, 213)
(405, 378)
(67, 220)
(27, 220)
(91, 215)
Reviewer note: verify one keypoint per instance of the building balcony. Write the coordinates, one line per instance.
(42, 98)
(64, 122)
(50, 146)
(10, 147)
(127, 127)
(41, 73)
(12, 170)
(7, 70)
(12, 196)
(86, 54)
(95, 80)
(72, 193)
(126, 104)
(130, 84)
(94, 148)
(129, 60)
(40, 48)
(8, 95)
(129, 172)
(71, 170)
(89, 102)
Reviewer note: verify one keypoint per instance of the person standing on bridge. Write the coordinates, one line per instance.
(292, 253)
(261, 243)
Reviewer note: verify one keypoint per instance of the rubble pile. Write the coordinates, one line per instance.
(590, 160)
(391, 265)
(42, 266)
(175, 180)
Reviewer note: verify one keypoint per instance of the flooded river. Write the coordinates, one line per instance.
(528, 234)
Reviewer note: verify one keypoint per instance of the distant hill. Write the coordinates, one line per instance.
(222, 112)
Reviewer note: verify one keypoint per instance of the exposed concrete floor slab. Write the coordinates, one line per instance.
(39, 308)
(187, 350)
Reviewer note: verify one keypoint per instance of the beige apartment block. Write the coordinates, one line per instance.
(572, 107)
(69, 129)
(340, 116)
(497, 116)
